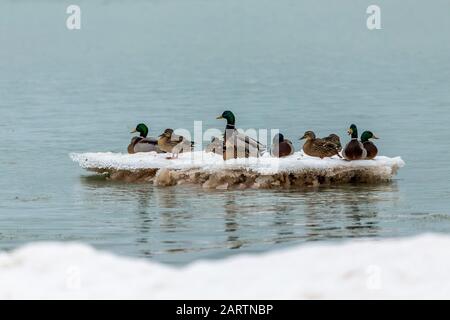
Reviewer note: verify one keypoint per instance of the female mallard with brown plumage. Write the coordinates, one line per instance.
(354, 150)
(334, 138)
(316, 147)
(215, 146)
(281, 147)
(142, 143)
(370, 147)
(236, 144)
(175, 144)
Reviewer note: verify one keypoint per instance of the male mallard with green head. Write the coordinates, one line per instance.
(236, 144)
(316, 147)
(354, 150)
(281, 147)
(142, 143)
(175, 144)
(370, 147)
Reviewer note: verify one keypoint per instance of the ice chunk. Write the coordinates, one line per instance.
(211, 171)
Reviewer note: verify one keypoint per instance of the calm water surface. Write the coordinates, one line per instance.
(293, 65)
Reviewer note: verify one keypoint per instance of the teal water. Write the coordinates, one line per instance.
(292, 65)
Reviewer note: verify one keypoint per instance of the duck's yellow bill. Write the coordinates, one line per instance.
(375, 137)
(349, 131)
(219, 117)
(133, 131)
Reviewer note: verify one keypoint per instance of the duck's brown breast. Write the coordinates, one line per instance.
(311, 149)
(371, 149)
(132, 144)
(353, 150)
(164, 145)
(283, 149)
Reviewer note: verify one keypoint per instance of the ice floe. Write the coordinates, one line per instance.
(211, 171)
(413, 268)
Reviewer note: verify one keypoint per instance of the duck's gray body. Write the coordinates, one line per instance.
(239, 145)
(139, 144)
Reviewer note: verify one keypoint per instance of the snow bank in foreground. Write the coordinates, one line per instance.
(211, 171)
(404, 268)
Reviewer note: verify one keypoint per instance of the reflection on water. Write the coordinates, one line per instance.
(144, 221)
(346, 211)
(231, 222)
(177, 225)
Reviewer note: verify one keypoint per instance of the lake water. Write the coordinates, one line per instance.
(277, 64)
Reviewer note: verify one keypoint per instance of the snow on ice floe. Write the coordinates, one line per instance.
(211, 171)
(408, 268)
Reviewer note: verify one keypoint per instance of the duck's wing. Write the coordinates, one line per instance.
(149, 141)
(248, 141)
(216, 146)
(146, 145)
(333, 138)
(289, 147)
(282, 149)
(327, 147)
(176, 138)
(241, 145)
(354, 150)
(182, 145)
(336, 140)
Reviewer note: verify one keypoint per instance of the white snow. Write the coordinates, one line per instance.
(211, 167)
(211, 161)
(415, 268)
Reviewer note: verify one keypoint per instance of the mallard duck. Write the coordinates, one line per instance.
(170, 142)
(316, 147)
(354, 150)
(216, 146)
(370, 147)
(236, 144)
(281, 147)
(334, 138)
(142, 143)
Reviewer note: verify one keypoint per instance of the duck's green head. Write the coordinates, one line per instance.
(366, 135)
(229, 116)
(142, 129)
(353, 131)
